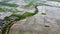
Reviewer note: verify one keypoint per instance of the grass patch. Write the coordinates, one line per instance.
(1, 10)
(8, 4)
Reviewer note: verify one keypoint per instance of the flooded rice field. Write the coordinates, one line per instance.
(37, 24)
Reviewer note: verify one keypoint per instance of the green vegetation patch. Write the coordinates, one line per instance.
(8, 4)
(43, 13)
(1, 10)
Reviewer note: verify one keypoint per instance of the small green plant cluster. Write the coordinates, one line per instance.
(43, 13)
